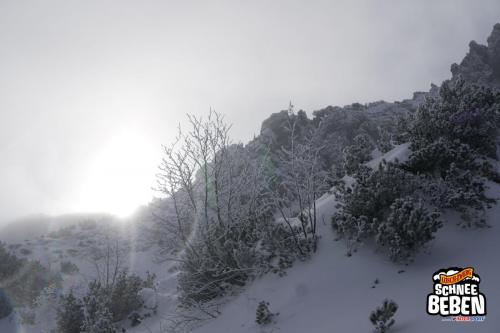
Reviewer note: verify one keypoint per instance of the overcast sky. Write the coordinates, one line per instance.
(89, 90)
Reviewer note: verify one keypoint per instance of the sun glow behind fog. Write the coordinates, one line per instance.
(120, 176)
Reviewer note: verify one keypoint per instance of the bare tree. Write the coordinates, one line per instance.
(203, 166)
(205, 177)
(218, 141)
(301, 180)
(198, 148)
(108, 262)
(176, 180)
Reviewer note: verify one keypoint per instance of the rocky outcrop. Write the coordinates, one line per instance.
(482, 64)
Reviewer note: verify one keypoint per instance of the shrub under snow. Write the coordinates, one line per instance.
(357, 153)
(366, 204)
(70, 314)
(263, 315)
(97, 316)
(381, 318)
(102, 305)
(453, 135)
(407, 228)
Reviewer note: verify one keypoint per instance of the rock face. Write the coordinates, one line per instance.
(340, 125)
(482, 64)
(494, 48)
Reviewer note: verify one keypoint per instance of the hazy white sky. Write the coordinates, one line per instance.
(90, 89)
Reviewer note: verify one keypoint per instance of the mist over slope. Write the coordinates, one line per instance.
(38, 225)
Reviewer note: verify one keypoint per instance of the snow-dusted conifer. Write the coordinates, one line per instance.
(366, 204)
(263, 315)
(453, 138)
(98, 317)
(407, 228)
(384, 141)
(357, 153)
(70, 315)
(381, 318)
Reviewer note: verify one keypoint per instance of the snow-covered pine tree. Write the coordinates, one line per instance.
(124, 297)
(453, 140)
(263, 315)
(364, 205)
(384, 142)
(381, 318)
(462, 112)
(70, 314)
(407, 228)
(98, 317)
(100, 323)
(357, 153)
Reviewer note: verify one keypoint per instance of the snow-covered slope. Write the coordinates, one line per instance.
(400, 154)
(328, 293)
(77, 243)
(334, 293)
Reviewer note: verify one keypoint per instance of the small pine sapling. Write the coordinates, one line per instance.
(381, 318)
(263, 315)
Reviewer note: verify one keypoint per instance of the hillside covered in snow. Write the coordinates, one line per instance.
(309, 227)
